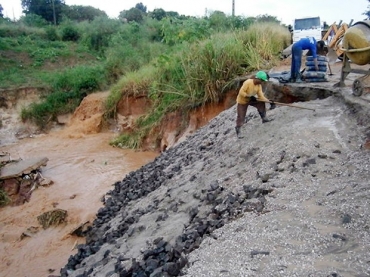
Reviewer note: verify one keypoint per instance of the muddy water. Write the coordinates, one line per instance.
(83, 168)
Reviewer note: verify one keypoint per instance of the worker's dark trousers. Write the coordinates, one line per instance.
(296, 61)
(241, 110)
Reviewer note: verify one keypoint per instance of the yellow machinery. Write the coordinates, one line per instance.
(356, 49)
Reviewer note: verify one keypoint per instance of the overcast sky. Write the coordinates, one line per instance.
(285, 10)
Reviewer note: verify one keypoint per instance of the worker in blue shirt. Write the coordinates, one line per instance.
(308, 43)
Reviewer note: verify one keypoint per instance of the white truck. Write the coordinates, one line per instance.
(302, 28)
(307, 27)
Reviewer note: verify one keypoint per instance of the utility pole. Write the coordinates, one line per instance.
(54, 17)
(233, 8)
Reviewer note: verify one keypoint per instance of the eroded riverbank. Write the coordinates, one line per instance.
(83, 167)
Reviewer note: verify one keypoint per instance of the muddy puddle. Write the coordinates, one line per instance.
(83, 167)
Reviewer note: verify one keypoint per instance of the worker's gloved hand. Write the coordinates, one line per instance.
(272, 105)
(252, 99)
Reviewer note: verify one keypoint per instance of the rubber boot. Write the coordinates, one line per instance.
(299, 79)
(264, 118)
(237, 129)
(292, 79)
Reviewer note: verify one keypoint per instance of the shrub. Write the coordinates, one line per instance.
(70, 33)
(97, 33)
(51, 33)
(80, 78)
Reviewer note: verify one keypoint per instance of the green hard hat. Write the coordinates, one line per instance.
(261, 75)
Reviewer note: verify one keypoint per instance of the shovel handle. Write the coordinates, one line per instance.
(288, 105)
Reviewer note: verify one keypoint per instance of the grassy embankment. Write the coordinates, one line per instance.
(196, 74)
(71, 60)
(177, 69)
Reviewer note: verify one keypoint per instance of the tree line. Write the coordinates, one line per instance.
(55, 11)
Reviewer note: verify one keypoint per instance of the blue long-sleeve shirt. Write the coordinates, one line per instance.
(307, 44)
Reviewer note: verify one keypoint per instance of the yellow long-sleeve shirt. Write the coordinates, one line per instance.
(249, 89)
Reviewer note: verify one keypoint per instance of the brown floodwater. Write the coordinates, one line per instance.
(83, 168)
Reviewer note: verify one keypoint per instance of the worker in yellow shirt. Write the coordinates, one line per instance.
(247, 96)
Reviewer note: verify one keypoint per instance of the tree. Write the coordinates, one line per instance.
(50, 10)
(158, 14)
(267, 18)
(82, 13)
(133, 14)
(367, 13)
(218, 20)
(141, 7)
(1, 11)
(172, 14)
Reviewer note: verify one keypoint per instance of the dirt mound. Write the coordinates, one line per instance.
(88, 117)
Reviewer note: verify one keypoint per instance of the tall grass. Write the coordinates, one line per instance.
(209, 65)
(263, 43)
(20, 30)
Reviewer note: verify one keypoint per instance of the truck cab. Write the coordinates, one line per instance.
(307, 27)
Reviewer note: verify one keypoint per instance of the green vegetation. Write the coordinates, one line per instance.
(177, 62)
(4, 198)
